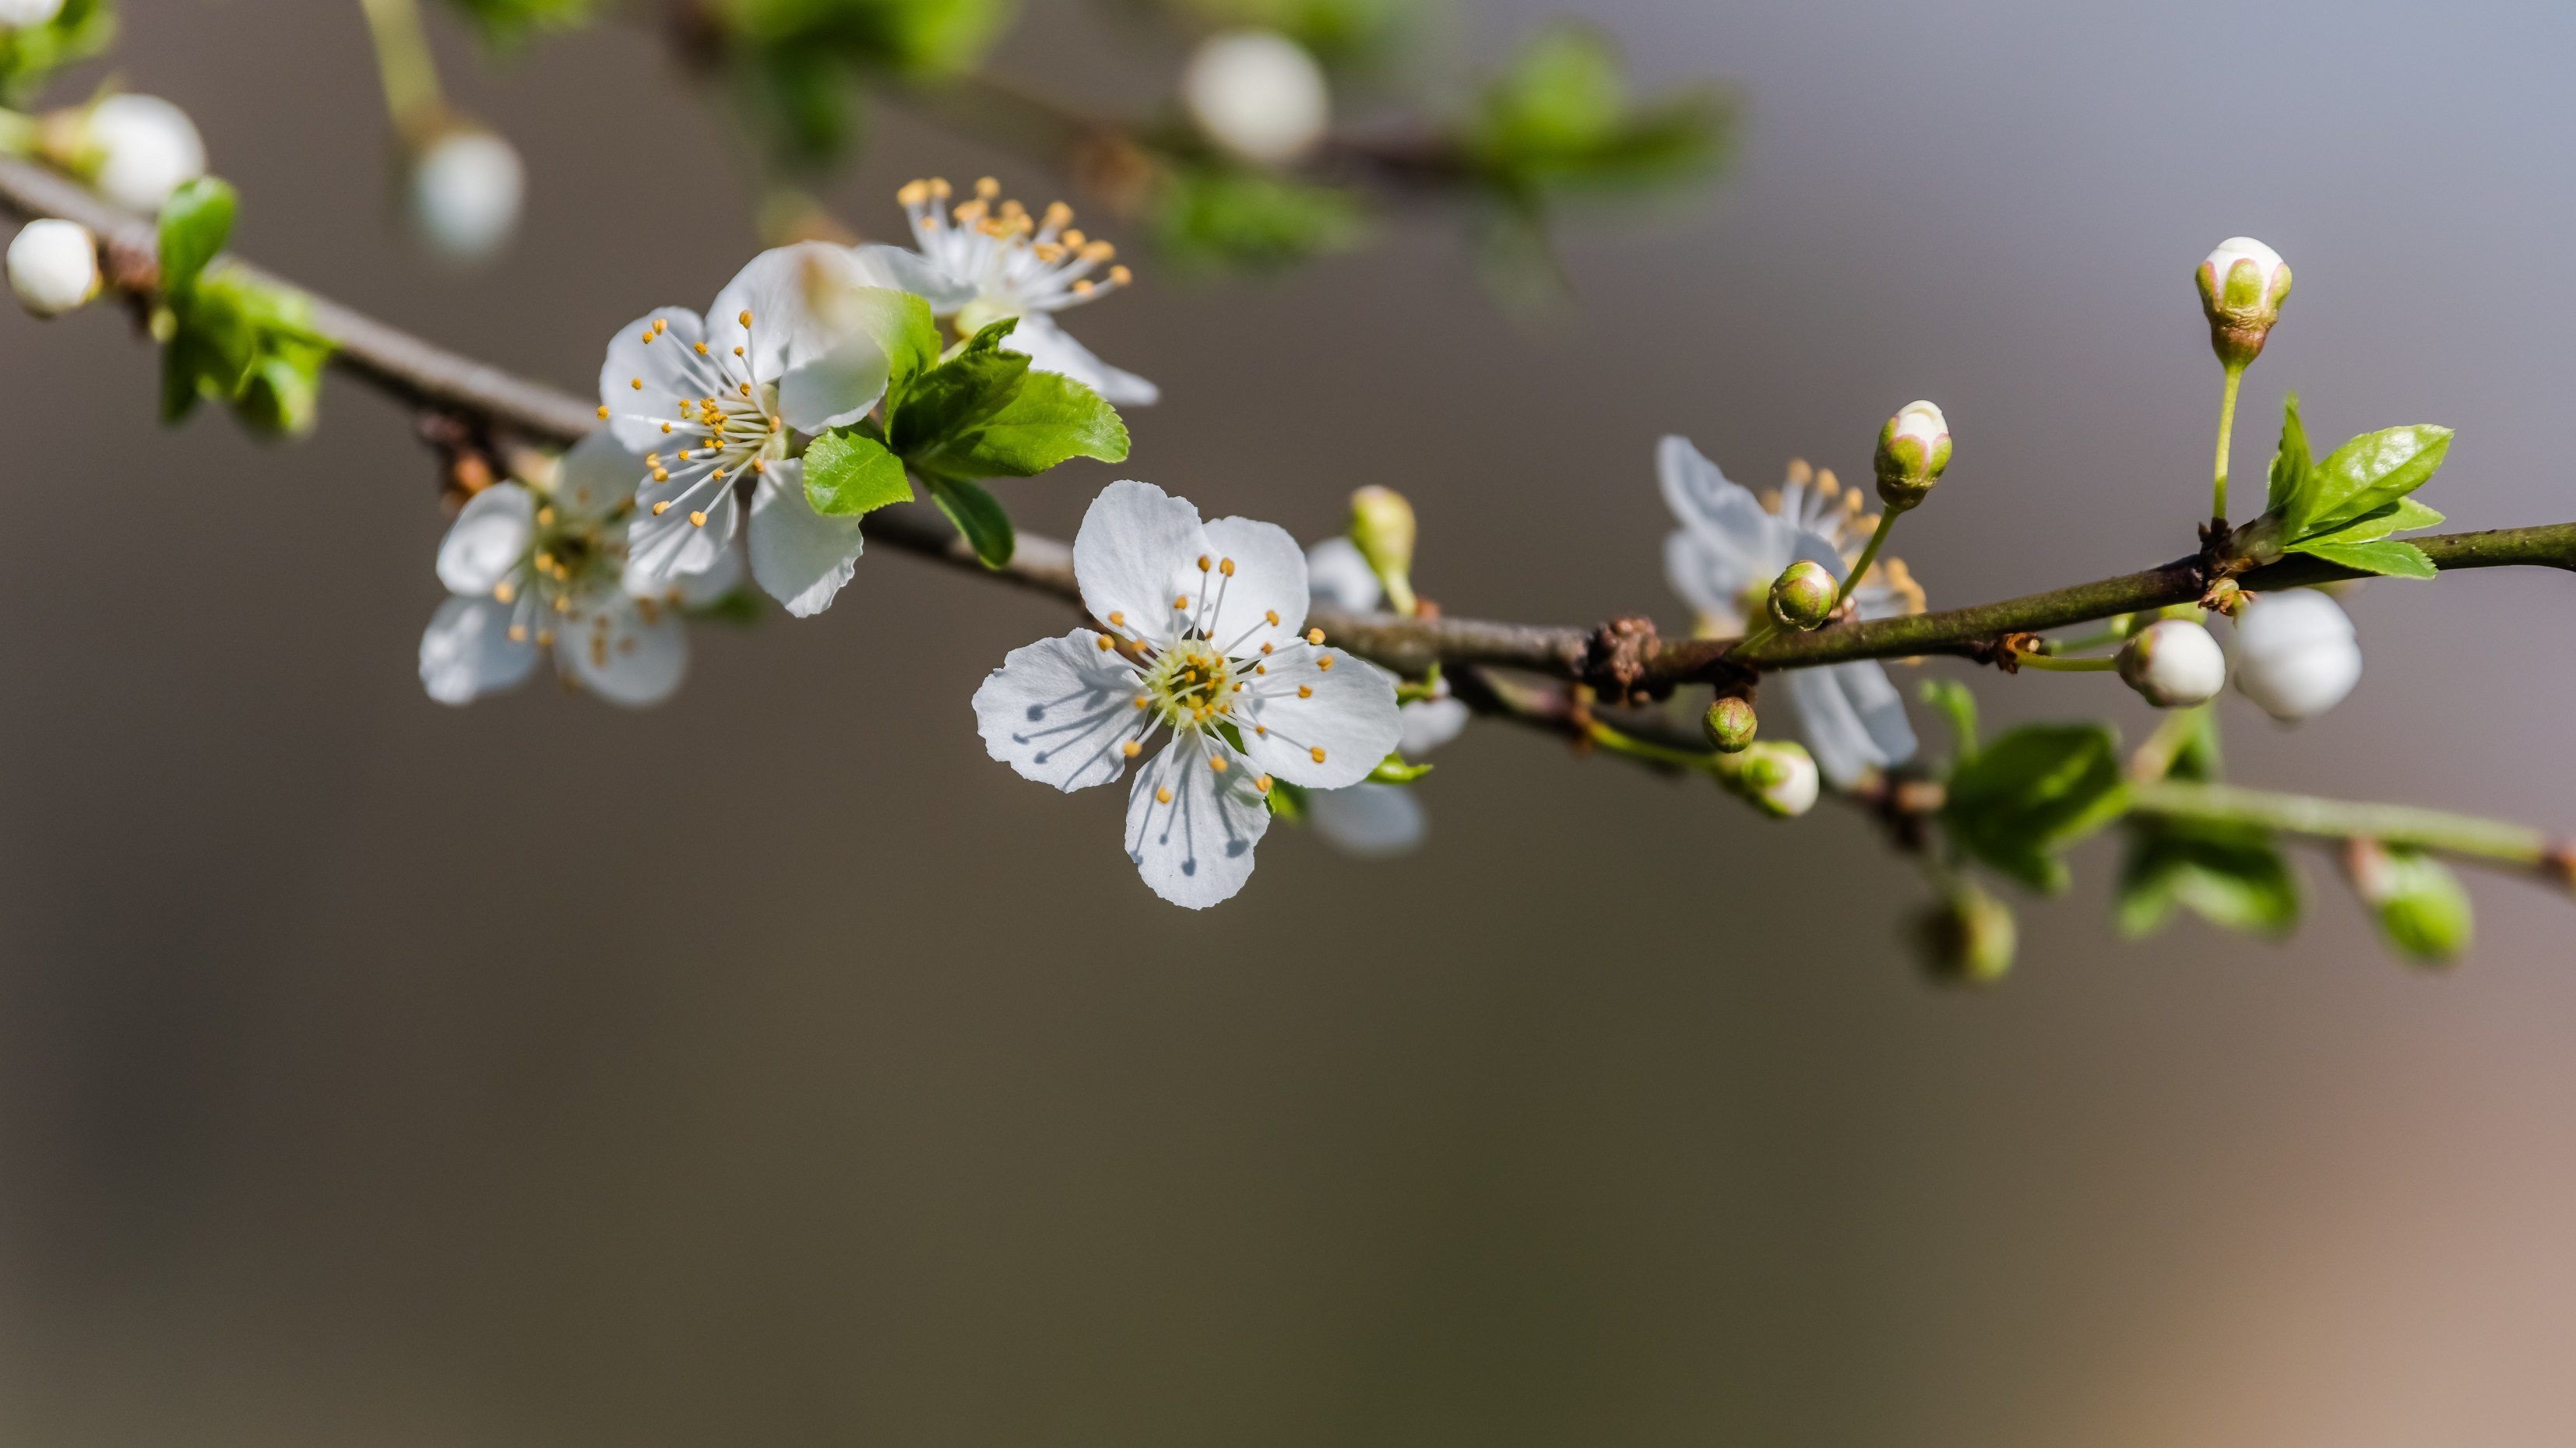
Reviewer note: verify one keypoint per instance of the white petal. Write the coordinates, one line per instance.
(596, 475)
(836, 388)
(799, 555)
(1136, 552)
(1712, 575)
(1852, 718)
(1058, 711)
(906, 270)
(488, 539)
(467, 651)
(627, 651)
(1702, 496)
(1050, 348)
(692, 590)
(665, 368)
(1191, 827)
(1269, 579)
(1430, 723)
(1372, 821)
(1339, 577)
(1348, 716)
(661, 549)
(787, 292)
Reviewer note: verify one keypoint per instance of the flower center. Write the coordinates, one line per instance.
(1191, 685)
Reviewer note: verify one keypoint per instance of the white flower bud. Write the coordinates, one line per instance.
(53, 266)
(1802, 597)
(463, 194)
(1966, 939)
(1382, 527)
(2296, 654)
(2242, 285)
(140, 149)
(1913, 448)
(19, 14)
(1258, 94)
(1778, 776)
(2174, 664)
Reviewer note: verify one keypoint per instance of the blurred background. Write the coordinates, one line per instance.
(773, 1067)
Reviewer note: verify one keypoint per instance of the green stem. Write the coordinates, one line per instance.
(2226, 434)
(1614, 742)
(2487, 841)
(404, 62)
(1868, 556)
(2049, 665)
(2118, 633)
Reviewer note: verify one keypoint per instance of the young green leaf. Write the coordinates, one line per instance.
(2378, 523)
(2369, 472)
(899, 321)
(2032, 793)
(978, 516)
(2390, 557)
(2233, 878)
(194, 225)
(1216, 215)
(949, 400)
(848, 473)
(1957, 704)
(2423, 911)
(1049, 419)
(1393, 770)
(2291, 462)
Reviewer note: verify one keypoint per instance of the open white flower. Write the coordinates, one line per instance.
(714, 406)
(1723, 558)
(1376, 821)
(1203, 640)
(1006, 263)
(544, 567)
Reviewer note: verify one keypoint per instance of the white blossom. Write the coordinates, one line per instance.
(1722, 560)
(20, 14)
(463, 194)
(714, 404)
(2296, 654)
(542, 567)
(1258, 94)
(998, 261)
(1203, 641)
(53, 266)
(142, 148)
(2173, 663)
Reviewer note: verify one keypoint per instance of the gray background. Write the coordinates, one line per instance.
(775, 1068)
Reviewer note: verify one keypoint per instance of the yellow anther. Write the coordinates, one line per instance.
(1203, 563)
(1272, 615)
(661, 325)
(1117, 619)
(702, 349)
(986, 188)
(637, 384)
(1318, 752)
(603, 412)
(760, 466)
(697, 520)
(666, 430)
(648, 336)
(1131, 748)
(939, 187)
(912, 193)
(518, 633)
(545, 638)
(1142, 701)
(661, 475)
(1325, 663)
(1084, 288)
(745, 319)
(1098, 251)
(1265, 648)
(1262, 784)
(1314, 636)
(1181, 602)
(1120, 276)
(1162, 794)
(1048, 252)
(1305, 691)
(545, 517)
(1216, 762)
(737, 351)
(1226, 567)
(1799, 472)
(661, 507)
(1105, 645)
(1058, 214)
(1261, 668)
(746, 389)
(1072, 238)
(502, 592)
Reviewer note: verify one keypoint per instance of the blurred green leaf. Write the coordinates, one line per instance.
(1561, 116)
(1215, 214)
(508, 23)
(978, 516)
(1341, 33)
(248, 345)
(2422, 909)
(2233, 878)
(1956, 704)
(2032, 793)
(29, 54)
(195, 222)
(1393, 770)
(798, 64)
(849, 473)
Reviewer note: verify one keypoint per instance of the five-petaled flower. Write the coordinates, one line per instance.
(1723, 558)
(543, 566)
(1000, 261)
(1203, 640)
(716, 405)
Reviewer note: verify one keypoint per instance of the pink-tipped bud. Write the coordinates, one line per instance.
(1913, 448)
(2242, 286)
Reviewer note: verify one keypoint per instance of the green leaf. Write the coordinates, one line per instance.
(195, 222)
(2032, 793)
(2391, 557)
(1287, 801)
(1560, 115)
(248, 345)
(900, 322)
(984, 414)
(1957, 704)
(2378, 523)
(956, 396)
(1393, 770)
(30, 53)
(2233, 878)
(848, 473)
(2369, 472)
(1223, 215)
(978, 516)
(507, 23)
(2422, 909)
(2290, 462)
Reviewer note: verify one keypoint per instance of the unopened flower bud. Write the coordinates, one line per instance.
(1802, 597)
(19, 14)
(2423, 911)
(1729, 724)
(2242, 285)
(1382, 527)
(1912, 450)
(133, 150)
(53, 266)
(2296, 654)
(1258, 94)
(2174, 664)
(1967, 938)
(1778, 776)
(463, 192)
